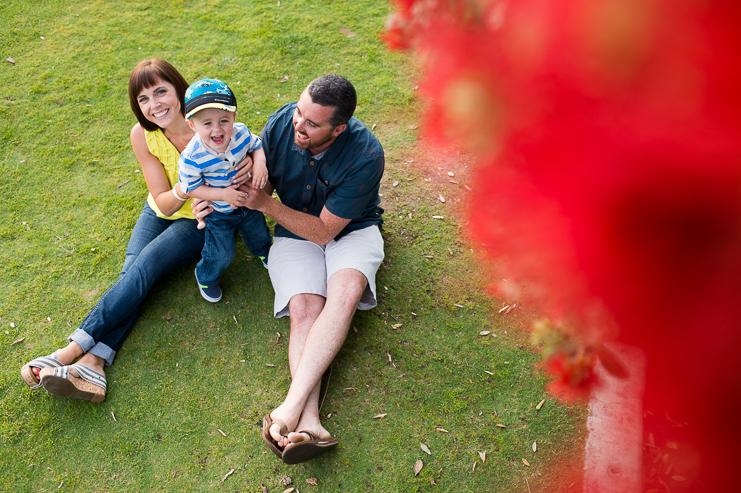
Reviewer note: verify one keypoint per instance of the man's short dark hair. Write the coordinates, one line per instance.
(337, 92)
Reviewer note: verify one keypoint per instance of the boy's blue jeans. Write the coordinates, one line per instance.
(156, 247)
(218, 251)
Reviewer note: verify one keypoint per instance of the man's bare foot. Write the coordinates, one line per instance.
(316, 428)
(290, 418)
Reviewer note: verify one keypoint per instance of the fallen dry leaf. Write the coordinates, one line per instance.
(373, 127)
(438, 217)
(289, 490)
(535, 446)
(114, 417)
(10, 60)
(418, 466)
(347, 32)
(524, 461)
(227, 475)
(269, 364)
(380, 415)
(424, 447)
(468, 188)
(484, 332)
(443, 430)
(284, 79)
(17, 341)
(264, 489)
(286, 479)
(501, 425)
(413, 127)
(396, 326)
(219, 430)
(483, 456)
(450, 173)
(441, 198)
(312, 481)
(489, 372)
(169, 317)
(473, 469)
(540, 404)
(501, 310)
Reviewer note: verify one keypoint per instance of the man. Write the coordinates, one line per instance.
(326, 167)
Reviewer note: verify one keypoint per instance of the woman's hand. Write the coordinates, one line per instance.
(201, 209)
(244, 171)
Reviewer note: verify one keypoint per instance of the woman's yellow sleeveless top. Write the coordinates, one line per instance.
(168, 155)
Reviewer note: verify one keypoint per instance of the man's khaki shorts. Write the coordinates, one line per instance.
(303, 267)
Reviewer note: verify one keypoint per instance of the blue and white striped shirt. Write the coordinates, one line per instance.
(199, 164)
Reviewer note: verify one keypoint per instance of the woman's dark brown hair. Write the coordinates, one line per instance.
(145, 75)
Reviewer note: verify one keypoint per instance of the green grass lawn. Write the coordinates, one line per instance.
(72, 192)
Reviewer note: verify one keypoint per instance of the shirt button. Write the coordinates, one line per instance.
(305, 209)
(326, 182)
(311, 163)
(308, 187)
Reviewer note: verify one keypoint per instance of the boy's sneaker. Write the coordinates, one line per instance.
(209, 293)
(264, 262)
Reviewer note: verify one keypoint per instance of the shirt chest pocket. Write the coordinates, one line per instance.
(323, 188)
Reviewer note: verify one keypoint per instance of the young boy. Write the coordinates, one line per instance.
(206, 169)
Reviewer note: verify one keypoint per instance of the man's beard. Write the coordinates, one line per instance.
(311, 144)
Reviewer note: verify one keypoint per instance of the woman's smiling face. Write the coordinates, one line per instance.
(159, 103)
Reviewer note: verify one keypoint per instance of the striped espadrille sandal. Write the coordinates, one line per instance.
(29, 378)
(89, 385)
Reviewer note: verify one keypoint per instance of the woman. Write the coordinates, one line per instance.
(165, 236)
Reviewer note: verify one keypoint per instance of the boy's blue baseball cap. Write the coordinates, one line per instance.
(209, 93)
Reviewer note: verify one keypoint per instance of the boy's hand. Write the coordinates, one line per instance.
(234, 197)
(259, 177)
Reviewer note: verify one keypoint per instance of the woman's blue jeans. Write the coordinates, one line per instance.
(156, 247)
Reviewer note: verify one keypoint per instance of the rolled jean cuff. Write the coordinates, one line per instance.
(89, 345)
(83, 339)
(103, 351)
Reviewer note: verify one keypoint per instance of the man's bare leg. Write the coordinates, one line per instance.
(321, 328)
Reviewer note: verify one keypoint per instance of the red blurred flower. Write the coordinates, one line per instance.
(609, 137)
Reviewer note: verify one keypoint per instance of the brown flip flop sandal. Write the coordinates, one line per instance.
(308, 449)
(268, 439)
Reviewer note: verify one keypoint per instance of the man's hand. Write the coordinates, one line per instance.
(201, 209)
(255, 198)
